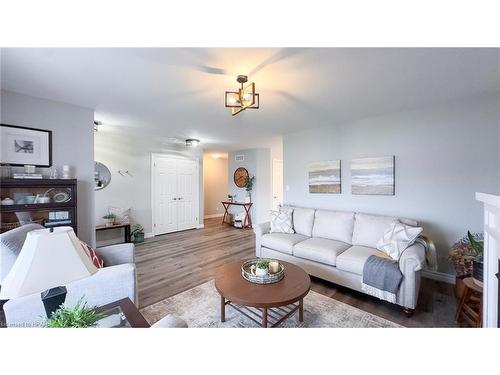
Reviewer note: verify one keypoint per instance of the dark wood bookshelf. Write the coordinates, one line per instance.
(13, 187)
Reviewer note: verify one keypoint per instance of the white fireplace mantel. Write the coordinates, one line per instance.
(491, 256)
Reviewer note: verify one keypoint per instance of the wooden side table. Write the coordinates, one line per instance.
(126, 307)
(126, 230)
(247, 206)
(470, 308)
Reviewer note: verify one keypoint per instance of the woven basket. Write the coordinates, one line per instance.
(8, 226)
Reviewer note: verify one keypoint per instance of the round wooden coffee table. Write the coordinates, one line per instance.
(267, 305)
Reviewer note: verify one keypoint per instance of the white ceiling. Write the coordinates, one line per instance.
(179, 93)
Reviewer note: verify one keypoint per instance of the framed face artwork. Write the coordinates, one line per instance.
(21, 146)
(240, 177)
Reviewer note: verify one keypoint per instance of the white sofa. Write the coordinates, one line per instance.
(334, 245)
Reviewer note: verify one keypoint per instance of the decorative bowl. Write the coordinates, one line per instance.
(248, 272)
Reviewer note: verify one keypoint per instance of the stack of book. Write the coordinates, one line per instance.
(28, 175)
(57, 218)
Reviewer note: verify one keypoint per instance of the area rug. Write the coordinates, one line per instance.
(200, 307)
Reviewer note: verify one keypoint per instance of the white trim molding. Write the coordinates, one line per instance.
(148, 235)
(439, 276)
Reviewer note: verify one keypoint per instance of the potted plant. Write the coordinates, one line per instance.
(262, 268)
(477, 259)
(79, 316)
(248, 187)
(467, 257)
(110, 219)
(137, 233)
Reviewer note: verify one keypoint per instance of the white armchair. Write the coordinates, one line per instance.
(115, 281)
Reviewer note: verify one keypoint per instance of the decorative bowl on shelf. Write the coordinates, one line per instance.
(251, 273)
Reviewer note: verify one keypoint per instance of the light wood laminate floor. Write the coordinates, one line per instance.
(172, 263)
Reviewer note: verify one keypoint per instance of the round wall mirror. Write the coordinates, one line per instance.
(102, 176)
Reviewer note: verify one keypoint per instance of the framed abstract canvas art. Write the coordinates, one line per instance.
(324, 177)
(372, 176)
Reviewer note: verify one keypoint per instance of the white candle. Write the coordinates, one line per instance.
(274, 267)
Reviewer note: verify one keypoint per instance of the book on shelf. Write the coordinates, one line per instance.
(57, 222)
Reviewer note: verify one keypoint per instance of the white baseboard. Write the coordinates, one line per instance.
(439, 276)
(148, 235)
(200, 226)
(213, 216)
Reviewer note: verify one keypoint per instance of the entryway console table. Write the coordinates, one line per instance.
(247, 206)
(126, 230)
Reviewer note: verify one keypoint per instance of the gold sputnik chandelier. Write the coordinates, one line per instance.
(244, 98)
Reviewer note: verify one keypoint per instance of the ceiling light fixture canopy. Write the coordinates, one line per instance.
(192, 142)
(244, 98)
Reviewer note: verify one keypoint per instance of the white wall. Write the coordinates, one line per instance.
(72, 144)
(124, 152)
(215, 178)
(258, 163)
(444, 154)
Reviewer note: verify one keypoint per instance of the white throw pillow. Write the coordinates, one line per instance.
(281, 221)
(397, 238)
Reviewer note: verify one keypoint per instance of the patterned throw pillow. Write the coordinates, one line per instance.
(397, 238)
(281, 221)
(92, 254)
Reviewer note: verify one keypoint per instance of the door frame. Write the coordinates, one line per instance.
(272, 181)
(154, 156)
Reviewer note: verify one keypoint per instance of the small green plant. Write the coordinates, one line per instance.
(137, 229)
(262, 264)
(477, 246)
(109, 216)
(79, 316)
(249, 183)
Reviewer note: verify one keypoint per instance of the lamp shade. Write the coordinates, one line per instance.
(47, 260)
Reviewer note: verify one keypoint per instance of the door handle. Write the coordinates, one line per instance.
(174, 199)
(180, 198)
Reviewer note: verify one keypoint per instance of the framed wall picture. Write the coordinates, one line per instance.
(373, 176)
(21, 146)
(324, 177)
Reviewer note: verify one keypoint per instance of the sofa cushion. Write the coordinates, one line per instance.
(369, 229)
(303, 220)
(282, 242)
(354, 258)
(334, 225)
(320, 250)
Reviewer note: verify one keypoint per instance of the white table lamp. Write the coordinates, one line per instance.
(48, 260)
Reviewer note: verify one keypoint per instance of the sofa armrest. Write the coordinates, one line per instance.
(117, 254)
(105, 286)
(410, 263)
(412, 259)
(262, 228)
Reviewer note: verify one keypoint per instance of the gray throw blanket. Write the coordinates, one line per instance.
(381, 278)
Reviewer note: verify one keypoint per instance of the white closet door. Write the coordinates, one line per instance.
(187, 191)
(165, 190)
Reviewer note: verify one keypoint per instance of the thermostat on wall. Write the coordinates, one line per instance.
(239, 157)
